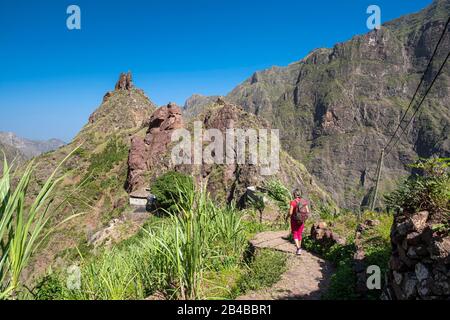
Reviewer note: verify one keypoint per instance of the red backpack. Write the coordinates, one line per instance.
(301, 213)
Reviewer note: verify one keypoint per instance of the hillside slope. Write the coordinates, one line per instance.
(96, 173)
(11, 154)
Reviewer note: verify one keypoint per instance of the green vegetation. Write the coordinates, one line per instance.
(374, 241)
(343, 280)
(103, 162)
(263, 271)
(103, 180)
(428, 190)
(168, 197)
(170, 257)
(22, 226)
(279, 193)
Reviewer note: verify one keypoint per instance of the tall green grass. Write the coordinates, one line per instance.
(170, 258)
(279, 193)
(22, 225)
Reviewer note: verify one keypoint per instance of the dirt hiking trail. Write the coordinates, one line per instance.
(307, 277)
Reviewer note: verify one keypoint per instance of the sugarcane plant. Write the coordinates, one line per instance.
(23, 226)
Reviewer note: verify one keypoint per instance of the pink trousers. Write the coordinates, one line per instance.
(297, 229)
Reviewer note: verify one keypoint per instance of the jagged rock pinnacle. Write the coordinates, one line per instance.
(221, 101)
(125, 82)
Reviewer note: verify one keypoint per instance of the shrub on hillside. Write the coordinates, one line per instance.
(172, 190)
(428, 189)
(279, 193)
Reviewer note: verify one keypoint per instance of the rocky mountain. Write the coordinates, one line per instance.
(338, 107)
(29, 148)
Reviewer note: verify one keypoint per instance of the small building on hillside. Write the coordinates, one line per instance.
(139, 198)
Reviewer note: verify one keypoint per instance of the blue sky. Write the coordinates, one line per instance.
(52, 78)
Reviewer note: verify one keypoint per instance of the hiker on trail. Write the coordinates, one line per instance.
(298, 213)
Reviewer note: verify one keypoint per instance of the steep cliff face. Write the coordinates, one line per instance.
(149, 152)
(337, 107)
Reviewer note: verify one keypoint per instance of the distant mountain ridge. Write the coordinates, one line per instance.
(196, 103)
(29, 148)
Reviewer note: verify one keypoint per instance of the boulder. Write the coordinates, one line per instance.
(422, 272)
(419, 220)
(324, 235)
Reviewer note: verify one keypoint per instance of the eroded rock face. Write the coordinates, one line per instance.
(150, 154)
(419, 267)
(147, 152)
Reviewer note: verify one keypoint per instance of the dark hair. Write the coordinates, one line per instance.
(296, 193)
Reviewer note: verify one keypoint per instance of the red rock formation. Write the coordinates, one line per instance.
(125, 82)
(146, 152)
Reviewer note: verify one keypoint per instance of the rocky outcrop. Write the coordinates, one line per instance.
(419, 267)
(324, 236)
(150, 156)
(148, 152)
(125, 107)
(125, 82)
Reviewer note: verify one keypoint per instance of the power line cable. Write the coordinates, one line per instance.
(420, 84)
(420, 104)
(388, 145)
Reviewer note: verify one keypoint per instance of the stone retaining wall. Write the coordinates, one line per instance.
(419, 267)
